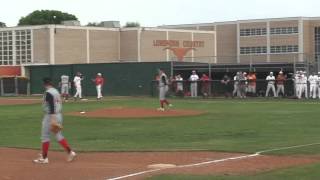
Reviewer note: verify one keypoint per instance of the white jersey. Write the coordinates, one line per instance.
(304, 79)
(194, 77)
(313, 79)
(77, 81)
(64, 79)
(270, 79)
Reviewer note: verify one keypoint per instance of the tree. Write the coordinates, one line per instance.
(2, 24)
(132, 24)
(46, 17)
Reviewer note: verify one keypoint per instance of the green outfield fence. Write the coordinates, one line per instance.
(123, 79)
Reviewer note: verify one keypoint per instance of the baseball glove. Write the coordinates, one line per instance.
(55, 127)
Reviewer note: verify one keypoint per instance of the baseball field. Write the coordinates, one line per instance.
(126, 138)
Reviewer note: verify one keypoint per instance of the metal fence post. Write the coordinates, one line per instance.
(16, 86)
(2, 89)
(28, 88)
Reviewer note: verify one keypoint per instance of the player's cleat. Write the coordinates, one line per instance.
(160, 109)
(72, 155)
(41, 160)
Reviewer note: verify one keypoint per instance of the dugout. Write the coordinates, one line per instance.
(217, 71)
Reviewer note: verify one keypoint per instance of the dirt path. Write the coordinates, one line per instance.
(16, 164)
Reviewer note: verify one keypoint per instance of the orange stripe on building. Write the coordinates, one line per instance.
(10, 71)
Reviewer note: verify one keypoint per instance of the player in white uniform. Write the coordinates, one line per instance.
(271, 80)
(304, 85)
(297, 82)
(313, 80)
(236, 79)
(77, 84)
(65, 86)
(179, 81)
(194, 78)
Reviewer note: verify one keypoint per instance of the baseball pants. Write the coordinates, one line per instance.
(65, 89)
(271, 86)
(78, 92)
(99, 89)
(194, 89)
(313, 90)
(45, 131)
(280, 88)
(162, 92)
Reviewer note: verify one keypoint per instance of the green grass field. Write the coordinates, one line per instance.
(229, 126)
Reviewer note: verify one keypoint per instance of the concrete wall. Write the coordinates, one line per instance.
(70, 46)
(104, 46)
(41, 46)
(129, 45)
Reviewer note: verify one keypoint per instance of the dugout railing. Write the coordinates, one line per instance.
(14, 86)
(217, 89)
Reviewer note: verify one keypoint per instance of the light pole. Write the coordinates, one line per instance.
(54, 22)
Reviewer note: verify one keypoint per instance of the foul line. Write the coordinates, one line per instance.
(216, 161)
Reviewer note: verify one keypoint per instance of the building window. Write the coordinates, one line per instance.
(284, 49)
(317, 43)
(253, 32)
(6, 48)
(23, 46)
(253, 50)
(284, 30)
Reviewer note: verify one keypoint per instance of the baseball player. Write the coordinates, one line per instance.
(52, 107)
(271, 79)
(77, 83)
(252, 83)
(280, 83)
(65, 86)
(304, 85)
(194, 78)
(236, 80)
(298, 83)
(99, 81)
(163, 89)
(243, 82)
(205, 85)
(313, 80)
(179, 81)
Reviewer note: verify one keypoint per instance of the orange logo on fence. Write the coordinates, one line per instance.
(180, 53)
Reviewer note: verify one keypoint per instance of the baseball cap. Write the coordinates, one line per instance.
(280, 72)
(99, 74)
(47, 80)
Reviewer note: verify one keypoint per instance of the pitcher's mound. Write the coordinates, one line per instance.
(125, 112)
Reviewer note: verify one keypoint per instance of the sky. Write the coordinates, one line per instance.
(150, 13)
